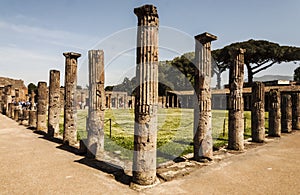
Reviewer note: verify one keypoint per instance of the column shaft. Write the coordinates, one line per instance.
(203, 143)
(258, 112)
(146, 102)
(54, 103)
(286, 113)
(274, 113)
(236, 103)
(42, 107)
(70, 111)
(97, 98)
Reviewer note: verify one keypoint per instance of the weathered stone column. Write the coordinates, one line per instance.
(97, 98)
(42, 107)
(70, 111)
(236, 103)
(296, 111)
(274, 113)
(286, 113)
(54, 103)
(82, 100)
(8, 99)
(258, 112)
(32, 119)
(146, 102)
(203, 143)
(32, 101)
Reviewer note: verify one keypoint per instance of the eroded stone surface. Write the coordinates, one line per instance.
(42, 107)
(236, 103)
(146, 101)
(286, 113)
(274, 114)
(54, 103)
(203, 143)
(258, 112)
(95, 140)
(70, 111)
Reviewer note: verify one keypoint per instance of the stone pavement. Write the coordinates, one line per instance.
(31, 164)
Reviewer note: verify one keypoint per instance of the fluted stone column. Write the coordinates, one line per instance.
(274, 113)
(286, 113)
(258, 112)
(296, 111)
(146, 102)
(54, 103)
(236, 103)
(70, 111)
(203, 143)
(97, 98)
(42, 107)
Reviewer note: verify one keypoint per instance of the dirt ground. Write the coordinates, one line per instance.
(31, 164)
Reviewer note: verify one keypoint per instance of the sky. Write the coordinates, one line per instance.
(34, 34)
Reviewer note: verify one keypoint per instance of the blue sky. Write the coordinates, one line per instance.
(34, 34)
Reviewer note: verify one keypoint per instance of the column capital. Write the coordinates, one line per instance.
(146, 10)
(205, 37)
(71, 55)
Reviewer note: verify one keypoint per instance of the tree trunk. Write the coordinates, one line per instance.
(218, 80)
(250, 73)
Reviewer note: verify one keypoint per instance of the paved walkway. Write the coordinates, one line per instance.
(33, 165)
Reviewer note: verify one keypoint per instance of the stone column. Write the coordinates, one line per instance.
(32, 100)
(32, 119)
(42, 107)
(146, 102)
(82, 100)
(97, 98)
(258, 112)
(286, 113)
(117, 101)
(70, 111)
(8, 99)
(236, 103)
(54, 103)
(274, 114)
(296, 111)
(109, 101)
(203, 143)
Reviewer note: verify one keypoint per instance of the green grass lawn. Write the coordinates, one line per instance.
(175, 131)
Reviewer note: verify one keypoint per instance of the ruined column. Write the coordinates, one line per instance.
(296, 111)
(236, 103)
(258, 112)
(32, 100)
(146, 102)
(54, 103)
(203, 143)
(8, 99)
(97, 98)
(274, 113)
(70, 111)
(42, 107)
(286, 113)
(82, 100)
